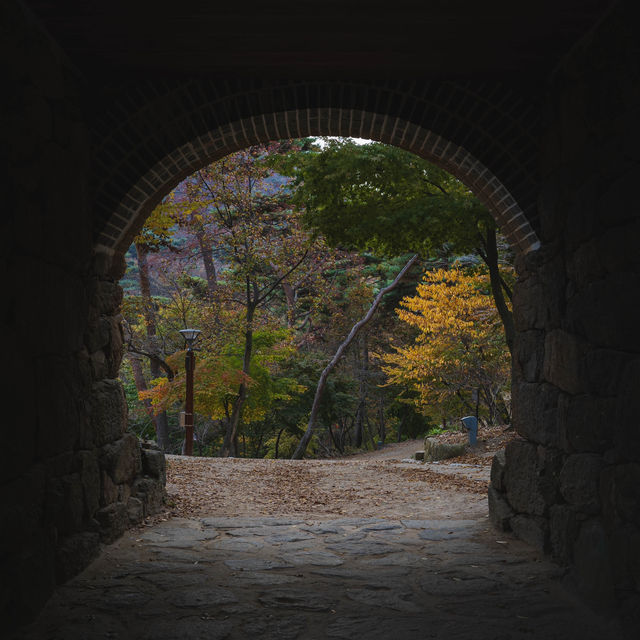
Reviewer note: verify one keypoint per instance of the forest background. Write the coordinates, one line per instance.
(274, 253)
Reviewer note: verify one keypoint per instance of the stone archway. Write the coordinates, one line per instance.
(88, 157)
(140, 199)
(168, 136)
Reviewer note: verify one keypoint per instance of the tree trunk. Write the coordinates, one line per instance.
(315, 408)
(229, 446)
(145, 290)
(161, 421)
(140, 382)
(490, 257)
(290, 297)
(337, 442)
(363, 369)
(206, 252)
(278, 442)
(381, 421)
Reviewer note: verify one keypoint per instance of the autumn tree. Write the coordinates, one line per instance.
(459, 350)
(240, 211)
(141, 332)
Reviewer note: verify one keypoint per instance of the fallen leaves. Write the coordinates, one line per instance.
(379, 488)
(374, 484)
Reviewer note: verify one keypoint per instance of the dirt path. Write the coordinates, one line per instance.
(379, 484)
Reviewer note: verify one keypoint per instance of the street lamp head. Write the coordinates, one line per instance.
(190, 336)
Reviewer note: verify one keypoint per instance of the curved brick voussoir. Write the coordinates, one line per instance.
(412, 118)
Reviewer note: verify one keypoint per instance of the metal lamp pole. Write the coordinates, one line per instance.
(190, 336)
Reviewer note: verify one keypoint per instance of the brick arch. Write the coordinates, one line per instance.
(168, 138)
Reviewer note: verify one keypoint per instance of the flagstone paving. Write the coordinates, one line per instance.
(291, 578)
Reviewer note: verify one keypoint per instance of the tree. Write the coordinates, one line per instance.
(459, 349)
(155, 234)
(239, 209)
(306, 438)
(381, 198)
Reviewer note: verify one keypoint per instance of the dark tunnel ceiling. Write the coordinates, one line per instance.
(308, 38)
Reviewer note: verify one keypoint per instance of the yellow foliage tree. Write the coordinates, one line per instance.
(459, 350)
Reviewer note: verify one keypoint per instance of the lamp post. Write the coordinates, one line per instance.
(190, 336)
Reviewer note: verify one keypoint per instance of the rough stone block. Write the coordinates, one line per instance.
(579, 481)
(107, 297)
(564, 361)
(98, 334)
(418, 455)
(121, 459)
(563, 529)
(602, 312)
(500, 512)
(113, 352)
(550, 461)
(135, 510)
(498, 470)
(587, 422)
(552, 274)
(603, 370)
(528, 354)
(534, 530)
(522, 478)
(124, 492)
(151, 493)
(535, 412)
(109, 490)
(74, 553)
(528, 304)
(108, 411)
(87, 465)
(99, 365)
(153, 464)
(113, 520)
(434, 450)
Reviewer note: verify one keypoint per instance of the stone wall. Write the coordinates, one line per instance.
(571, 485)
(70, 475)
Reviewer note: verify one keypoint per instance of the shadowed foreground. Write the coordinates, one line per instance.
(296, 576)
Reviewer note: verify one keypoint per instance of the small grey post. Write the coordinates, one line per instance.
(471, 424)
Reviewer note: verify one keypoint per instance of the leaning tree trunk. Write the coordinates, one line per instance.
(322, 383)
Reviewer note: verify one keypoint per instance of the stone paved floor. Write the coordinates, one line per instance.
(286, 579)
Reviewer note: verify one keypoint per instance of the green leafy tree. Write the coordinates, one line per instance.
(381, 198)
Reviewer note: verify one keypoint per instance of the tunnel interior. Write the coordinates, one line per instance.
(547, 135)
